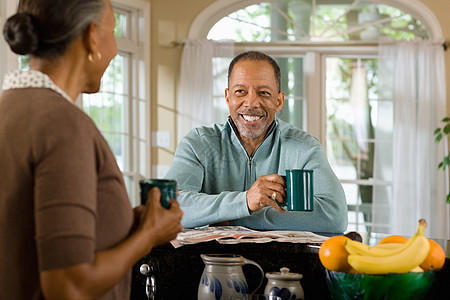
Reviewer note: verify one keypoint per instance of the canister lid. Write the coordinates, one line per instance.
(284, 274)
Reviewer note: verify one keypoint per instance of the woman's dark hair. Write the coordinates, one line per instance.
(44, 28)
(257, 56)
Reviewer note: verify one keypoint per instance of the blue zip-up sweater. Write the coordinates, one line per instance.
(214, 172)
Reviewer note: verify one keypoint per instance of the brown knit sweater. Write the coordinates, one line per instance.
(62, 196)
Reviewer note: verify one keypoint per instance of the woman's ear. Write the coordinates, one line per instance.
(91, 38)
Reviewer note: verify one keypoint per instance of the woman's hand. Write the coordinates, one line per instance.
(162, 225)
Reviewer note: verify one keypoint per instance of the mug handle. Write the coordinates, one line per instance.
(251, 262)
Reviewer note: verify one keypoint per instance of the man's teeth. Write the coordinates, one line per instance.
(251, 118)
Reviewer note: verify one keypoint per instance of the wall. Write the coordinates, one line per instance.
(170, 22)
(441, 10)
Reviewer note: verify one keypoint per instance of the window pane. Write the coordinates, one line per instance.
(121, 25)
(292, 85)
(108, 109)
(220, 72)
(359, 202)
(307, 20)
(246, 24)
(24, 62)
(351, 116)
(353, 110)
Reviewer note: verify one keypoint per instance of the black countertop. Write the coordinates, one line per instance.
(178, 271)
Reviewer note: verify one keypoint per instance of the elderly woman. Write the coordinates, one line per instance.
(67, 229)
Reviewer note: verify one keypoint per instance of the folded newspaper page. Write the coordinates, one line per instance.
(239, 234)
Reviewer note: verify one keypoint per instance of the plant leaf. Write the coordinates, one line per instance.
(448, 198)
(445, 162)
(436, 131)
(446, 119)
(447, 129)
(438, 138)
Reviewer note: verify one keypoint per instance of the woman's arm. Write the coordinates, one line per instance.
(158, 226)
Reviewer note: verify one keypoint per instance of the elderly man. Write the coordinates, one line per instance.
(228, 173)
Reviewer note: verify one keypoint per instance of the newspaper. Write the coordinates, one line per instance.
(239, 234)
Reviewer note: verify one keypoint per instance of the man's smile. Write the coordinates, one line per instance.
(250, 119)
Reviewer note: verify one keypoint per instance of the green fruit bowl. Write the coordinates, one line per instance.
(408, 286)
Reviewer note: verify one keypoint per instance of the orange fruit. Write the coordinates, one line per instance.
(394, 239)
(333, 255)
(435, 259)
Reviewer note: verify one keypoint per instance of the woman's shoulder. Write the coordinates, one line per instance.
(46, 110)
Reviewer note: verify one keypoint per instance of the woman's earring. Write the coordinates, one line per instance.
(91, 58)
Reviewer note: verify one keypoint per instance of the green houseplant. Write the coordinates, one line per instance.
(439, 133)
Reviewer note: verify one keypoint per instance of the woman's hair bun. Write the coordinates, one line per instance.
(21, 34)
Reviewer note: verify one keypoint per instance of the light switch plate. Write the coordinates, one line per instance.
(161, 139)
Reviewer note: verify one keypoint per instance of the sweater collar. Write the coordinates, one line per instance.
(19, 79)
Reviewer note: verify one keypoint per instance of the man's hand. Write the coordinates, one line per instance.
(262, 191)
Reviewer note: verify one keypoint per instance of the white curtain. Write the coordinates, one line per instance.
(412, 75)
(195, 98)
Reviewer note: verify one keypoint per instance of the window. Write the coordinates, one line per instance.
(8, 61)
(121, 109)
(327, 51)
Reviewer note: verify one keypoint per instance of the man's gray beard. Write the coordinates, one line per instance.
(251, 132)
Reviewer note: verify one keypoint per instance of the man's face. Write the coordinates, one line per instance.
(253, 98)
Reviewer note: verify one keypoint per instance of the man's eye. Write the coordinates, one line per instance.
(264, 93)
(239, 92)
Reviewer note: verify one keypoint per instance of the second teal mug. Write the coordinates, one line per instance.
(168, 190)
(300, 191)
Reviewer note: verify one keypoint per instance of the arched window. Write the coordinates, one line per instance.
(327, 50)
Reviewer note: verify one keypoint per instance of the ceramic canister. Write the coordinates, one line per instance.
(284, 284)
(223, 279)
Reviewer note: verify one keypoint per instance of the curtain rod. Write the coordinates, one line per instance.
(175, 44)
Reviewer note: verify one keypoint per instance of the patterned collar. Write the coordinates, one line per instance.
(31, 79)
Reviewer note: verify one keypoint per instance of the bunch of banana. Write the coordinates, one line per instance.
(395, 258)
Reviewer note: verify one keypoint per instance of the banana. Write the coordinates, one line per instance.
(400, 262)
(383, 250)
(388, 246)
(355, 247)
(417, 269)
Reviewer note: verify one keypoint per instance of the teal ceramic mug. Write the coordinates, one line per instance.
(167, 187)
(300, 191)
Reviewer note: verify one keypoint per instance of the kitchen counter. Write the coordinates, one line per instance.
(177, 271)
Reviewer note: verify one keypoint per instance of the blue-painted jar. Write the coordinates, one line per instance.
(284, 284)
(223, 278)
